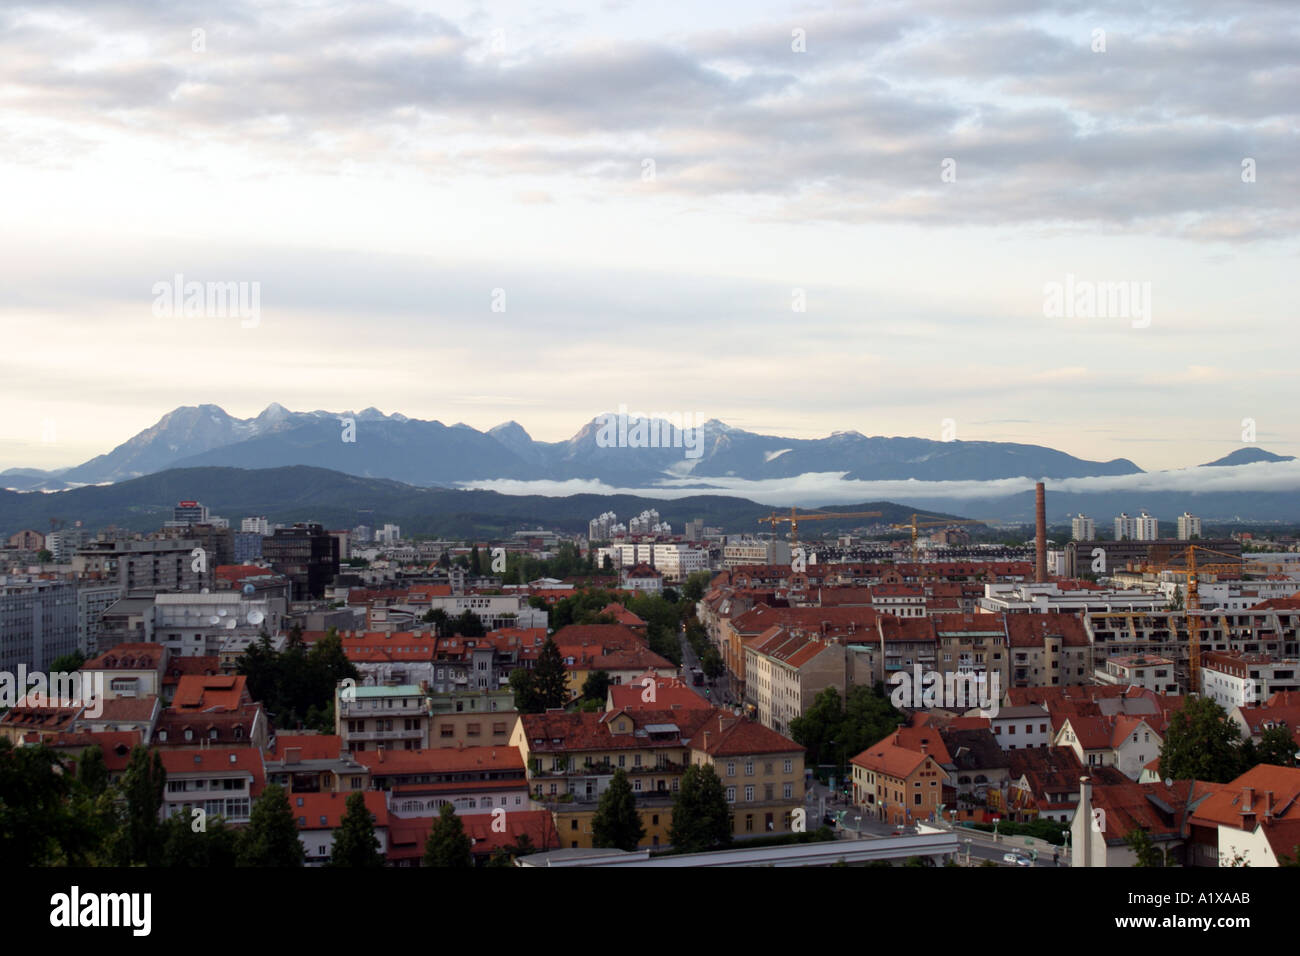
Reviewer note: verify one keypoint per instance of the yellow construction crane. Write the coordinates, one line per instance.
(793, 518)
(1192, 609)
(938, 522)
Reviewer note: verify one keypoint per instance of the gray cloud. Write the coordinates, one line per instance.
(1148, 135)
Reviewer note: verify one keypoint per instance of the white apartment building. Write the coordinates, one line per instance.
(1189, 526)
(751, 551)
(1083, 528)
(389, 535)
(1148, 671)
(1239, 680)
(1142, 528)
(198, 625)
(256, 525)
(1017, 598)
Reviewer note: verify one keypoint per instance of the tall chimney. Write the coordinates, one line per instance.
(1040, 537)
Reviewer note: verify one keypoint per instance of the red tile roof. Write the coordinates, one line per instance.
(724, 735)
(309, 808)
(137, 656)
(224, 691)
(440, 760)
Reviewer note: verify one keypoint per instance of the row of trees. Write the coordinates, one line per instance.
(701, 814)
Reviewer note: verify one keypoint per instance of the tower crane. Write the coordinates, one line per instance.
(1194, 570)
(914, 525)
(793, 519)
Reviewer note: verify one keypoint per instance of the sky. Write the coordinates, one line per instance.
(797, 218)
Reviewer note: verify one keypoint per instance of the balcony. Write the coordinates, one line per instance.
(386, 735)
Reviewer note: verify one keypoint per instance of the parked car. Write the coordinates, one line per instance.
(1016, 859)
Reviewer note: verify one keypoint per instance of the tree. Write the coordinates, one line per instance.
(68, 663)
(355, 843)
(526, 700)
(92, 772)
(448, 843)
(696, 582)
(701, 815)
(475, 563)
(271, 837)
(143, 784)
(616, 822)
(596, 686)
(35, 821)
(44, 557)
(439, 619)
(213, 846)
(550, 678)
(1201, 744)
(711, 663)
(1276, 746)
(1148, 854)
(819, 725)
(467, 625)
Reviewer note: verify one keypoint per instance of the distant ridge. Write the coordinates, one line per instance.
(429, 453)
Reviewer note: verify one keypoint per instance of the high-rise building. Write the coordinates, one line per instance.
(38, 623)
(1125, 527)
(63, 544)
(160, 565)
(1083, 528)
(1189, 526)
(190, 512)
(1148, 528)
(248, 546)
(258, 525)
(307, 554)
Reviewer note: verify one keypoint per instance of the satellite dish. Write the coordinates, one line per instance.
(214, 620)
(255, 617)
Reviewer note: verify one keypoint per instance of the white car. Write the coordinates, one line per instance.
(1016, 859)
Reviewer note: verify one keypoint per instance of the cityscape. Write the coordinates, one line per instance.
(585, 436)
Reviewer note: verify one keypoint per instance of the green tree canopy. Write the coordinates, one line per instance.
(550, 677)
(1201, 744)
(448, 843)
(616, 822)
(701, 815)
(1276, 746)
(596, 686)
(271, 837)
(143, 784)
(355, 843)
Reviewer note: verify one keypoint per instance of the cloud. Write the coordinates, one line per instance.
(831, 488)
(1149, 134)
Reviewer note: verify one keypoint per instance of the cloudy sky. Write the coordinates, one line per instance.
(794, 217)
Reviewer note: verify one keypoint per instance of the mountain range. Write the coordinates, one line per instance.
(431, 454)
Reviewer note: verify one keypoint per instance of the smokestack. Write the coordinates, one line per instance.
(1040, 537)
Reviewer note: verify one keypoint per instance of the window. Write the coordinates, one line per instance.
(749, 768)
(473, 730)
(749, 793)
(731, 768)
(446, 730)
(731, 794)
(788, 792)
(788, 766)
